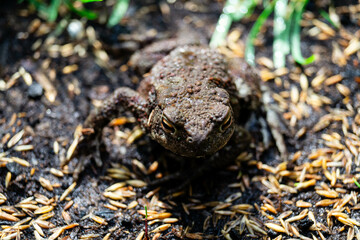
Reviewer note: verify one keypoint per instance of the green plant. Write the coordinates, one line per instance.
(49, 10)
(234, 10)
(356, 182)
(146, 225)
(287, 17)
(297, 8)
(118, 12)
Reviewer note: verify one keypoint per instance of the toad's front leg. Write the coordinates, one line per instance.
(123, 99)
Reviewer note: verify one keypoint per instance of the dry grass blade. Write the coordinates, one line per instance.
(115, 187)
(38, 229)
(37, 236)
(118, 204)
(50, 90)
(136, 183)
(66, 216)
(326, 202)
(275, 227)
(328, 193)
(46, 184)
(170, 220)
(133, 204)
(23, 148)
(324, 27)
(344, 90)
(15, 139)
(44, 224)
(2, 198)
(72, 148)
(302, 215)
(56, 234)
(353, 47)
(161, 228)
(306, 184)
(44, 209)
(7, 179)
(140, 236)
(8, 217)
(20, 161)
(72, 225)
(333, 79)
(56, 172)
(303, 204)
(98, 219)
(67, 191)
(136, 134)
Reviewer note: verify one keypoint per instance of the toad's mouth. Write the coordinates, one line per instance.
(201, 150)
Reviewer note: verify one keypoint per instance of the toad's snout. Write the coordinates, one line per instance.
(198, 132)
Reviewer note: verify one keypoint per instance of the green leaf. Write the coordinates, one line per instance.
(41, 8)
(118, 12)
(295, 34)
(250, 50)
(356, 182)
(53, 10)
(234, 10)
(327, 17)
(89, 1)
(237, 9)
(281, 34)
(221, 30)
(90, 15)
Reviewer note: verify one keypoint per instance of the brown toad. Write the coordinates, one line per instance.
(192, 102)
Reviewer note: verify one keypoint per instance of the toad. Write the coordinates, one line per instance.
(193, 102)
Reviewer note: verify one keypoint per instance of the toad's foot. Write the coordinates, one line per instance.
(88, 138)
(274, 122)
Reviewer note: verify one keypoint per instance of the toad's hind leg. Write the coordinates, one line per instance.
(255, 98)
(123, 99)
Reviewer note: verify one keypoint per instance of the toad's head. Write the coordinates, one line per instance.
(194, 125)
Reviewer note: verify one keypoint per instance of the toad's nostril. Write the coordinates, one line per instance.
(189, 139)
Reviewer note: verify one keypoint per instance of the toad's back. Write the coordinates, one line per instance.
(189, 72)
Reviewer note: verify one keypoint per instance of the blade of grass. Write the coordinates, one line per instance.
(221, 30)
(60, 26)
(237, 9)
(118, 12)
(90, 15)
(88, 1)
(295, 34)
(53, 10)
(250, 50)
(327, 17)
(356, 182)
(281, 34)
(41, 8)
(234, 10)
(146, 224)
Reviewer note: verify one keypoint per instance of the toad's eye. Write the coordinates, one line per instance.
(227, 123)
(167, 125)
